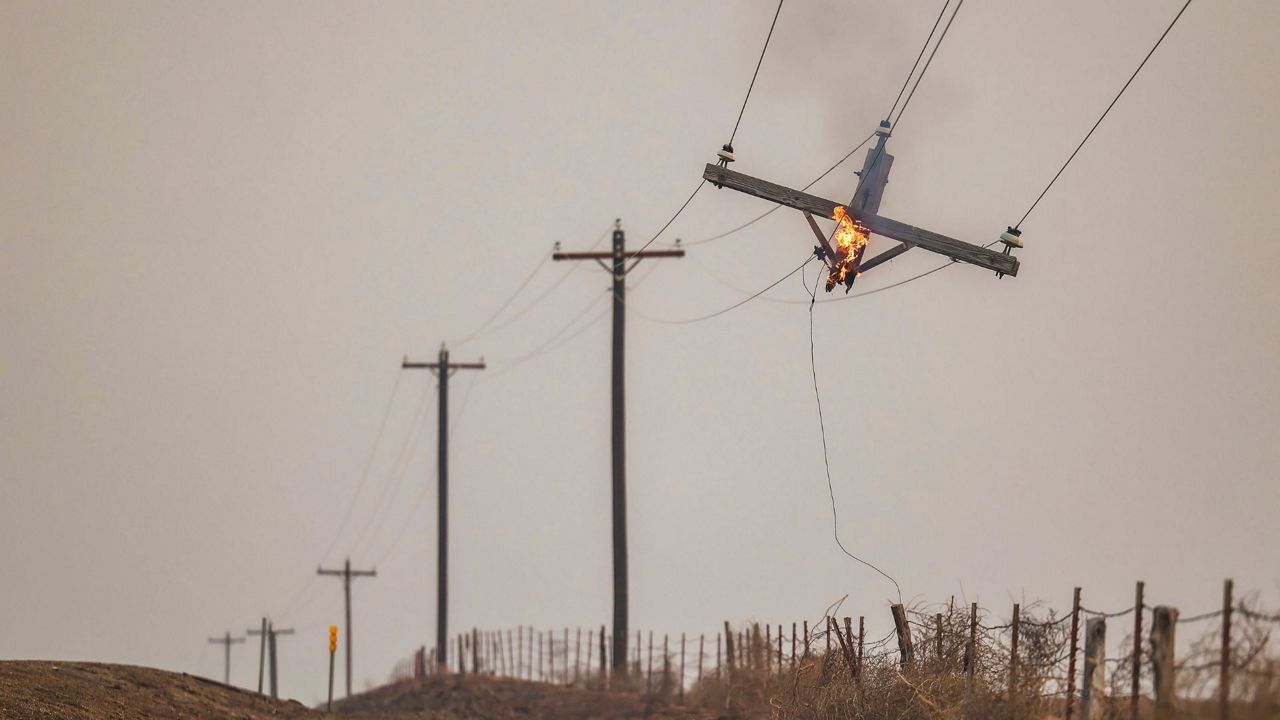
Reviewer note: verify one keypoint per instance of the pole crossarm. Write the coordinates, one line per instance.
(877, 224)
(609, 256)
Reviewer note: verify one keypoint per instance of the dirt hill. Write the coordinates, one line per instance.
(42, 690)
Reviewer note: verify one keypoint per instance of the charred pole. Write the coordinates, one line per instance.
(617, 266)
(443, 369)
(347, 575)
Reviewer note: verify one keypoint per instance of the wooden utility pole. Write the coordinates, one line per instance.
(226, 641)
(347, 574)
(443, 370)
(262, 651)
(847, 263)
(269, 633)
(619, 264)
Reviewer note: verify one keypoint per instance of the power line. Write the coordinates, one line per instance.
(734, 306)
(520, 288)
(759, 62)
(924, 47)
(822, 426)
(1104, 114)
(928, 62)
(732, 135)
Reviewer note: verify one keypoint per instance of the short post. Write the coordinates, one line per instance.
(1138, 609)
(793, 646)
(806, 639)
(333, 650)
(1224, 682)
(1163, 623)
(719, 665)
(590, 644)
(728, 650)
(520, 651)
(971, 647)
(1013, 651)
(604, 668)
(513, 669)
(577, 654)
(903, 629)
(862, 630)
(1095, 669)
(541, 676)
(938, 623)
(1071, 658)
(768, 649)
(648, 680)
(681, 667)
(665, 687)
(702, 639)
(779, 649)
(475, 651)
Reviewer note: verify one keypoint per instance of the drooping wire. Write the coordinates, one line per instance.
(520, 288)
(398, 469)
(826, 461)
(759, 62)
(557, 339)
(663, 229)
(924, 47)
(368, 465)
(734, 306)
(1104, 114)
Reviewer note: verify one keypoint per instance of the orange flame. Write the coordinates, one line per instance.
(850, 239)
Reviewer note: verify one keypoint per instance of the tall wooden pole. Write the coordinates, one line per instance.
(443, 369)
(618, 268)
(347, 574)
(1224, 682)
(1071, 658)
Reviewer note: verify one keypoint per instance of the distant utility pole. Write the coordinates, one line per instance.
(269, 633)
(227, 641)
(442, 369)
(346, 573)
(618, 267)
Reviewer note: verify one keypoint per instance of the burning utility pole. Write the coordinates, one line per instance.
(443, 370)
(860, 220)
(347, 575)
(618, 260)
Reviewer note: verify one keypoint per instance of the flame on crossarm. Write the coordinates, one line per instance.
(849, 242)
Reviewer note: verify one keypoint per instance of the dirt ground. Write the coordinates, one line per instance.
(42, 690)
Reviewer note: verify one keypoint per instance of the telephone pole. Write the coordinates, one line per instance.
(442, 369)
(269, 633)
(227, 641)
(347, 574)
(618, 267)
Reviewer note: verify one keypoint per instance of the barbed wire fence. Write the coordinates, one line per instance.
(1032, 661)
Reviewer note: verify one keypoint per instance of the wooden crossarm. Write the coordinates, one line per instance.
(877, 224)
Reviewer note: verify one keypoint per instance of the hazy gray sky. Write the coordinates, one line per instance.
(223, 224)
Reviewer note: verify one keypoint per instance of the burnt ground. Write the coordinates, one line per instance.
(42, 690)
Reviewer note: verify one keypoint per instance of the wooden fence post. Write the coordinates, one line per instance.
(577, 654)
(862, 631)
(768, 649)
(681, 667)
(728, 650)
(971, 647)
(806, 639)
(1224, 682)
(666, 665)
(1095, 670)
(779, 649)
(793, 646)
(903, 629)
(604, 661)
(586, 676)
(648, 680)
(1013, 651)
(702, 639)
(1071, 658)
(1163, 623)
(1138, 609)
(942, 661)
